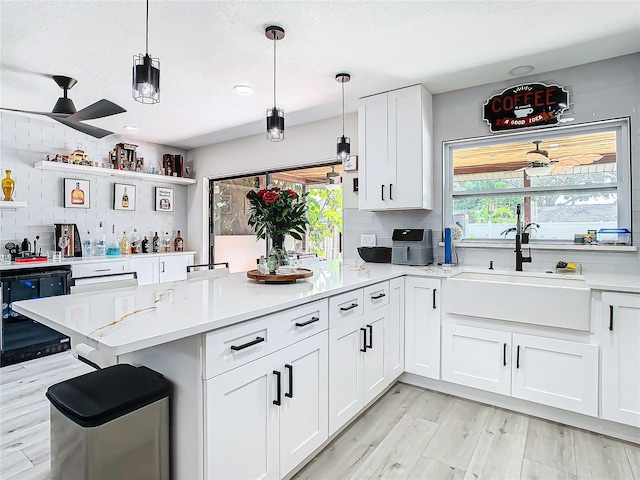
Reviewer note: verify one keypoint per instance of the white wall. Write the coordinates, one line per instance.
(27, 140)
(303, 145)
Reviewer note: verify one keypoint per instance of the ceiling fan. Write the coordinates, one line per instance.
(334, 180)
(65, 111)
(540, 164)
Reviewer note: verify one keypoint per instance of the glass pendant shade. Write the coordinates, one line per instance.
(275, 124)
(538, 171)
(344, 148)
(146, 79)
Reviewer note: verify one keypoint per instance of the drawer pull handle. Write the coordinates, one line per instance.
(611, 318)
(504, 355)
(308, 322)
(364, 339)
(434, 298)
(344, 309)
(102, 270)
(235, 348)
(278, 400)
(370, 327)
(518, 357)
(378, 297)
(290, 392)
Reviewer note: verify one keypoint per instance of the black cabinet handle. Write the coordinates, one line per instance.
(504, 355)
(364, 339)
(290, 392)
(278, 400)
(382, 193)
(247, 345)
(611, 318)
(308, 322)
(378, 297)
(370, 327)
(344, 309)
(434, 299)
(390, 191)
(518, 357)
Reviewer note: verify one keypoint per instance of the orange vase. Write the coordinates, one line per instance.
(8, 185)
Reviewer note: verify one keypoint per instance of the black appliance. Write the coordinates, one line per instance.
(22, 338)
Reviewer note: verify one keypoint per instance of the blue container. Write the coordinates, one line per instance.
(447, 245)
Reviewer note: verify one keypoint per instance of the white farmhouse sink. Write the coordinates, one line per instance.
(538, 299)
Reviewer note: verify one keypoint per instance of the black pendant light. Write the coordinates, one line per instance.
(344, 143)
(275, 115)
(146, 73)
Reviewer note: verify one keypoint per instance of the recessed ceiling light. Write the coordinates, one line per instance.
(566, 119)
(521, 70)
(131, 128)
(243, 89)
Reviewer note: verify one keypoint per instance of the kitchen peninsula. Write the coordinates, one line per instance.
(222, 340)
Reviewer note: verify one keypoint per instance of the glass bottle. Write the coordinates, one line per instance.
(124, 243)
(8, 185)
(65, 243)
(156, 243)
(166, 243)
(178, 243)
(87, 245)
(100, 242)
(145, 245)
(77, 195)
(113, 246)
(125, 200)
(135, 241)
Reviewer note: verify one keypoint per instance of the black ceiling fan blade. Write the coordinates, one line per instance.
(84, 128)
(24, 111)
(102, 108)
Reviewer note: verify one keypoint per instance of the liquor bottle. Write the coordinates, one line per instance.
(113, 246)
(125, 199)
(8, 185)
(166, 243)
(124, 244)
(135, 241)
(178, 243)
(65, 243)
(145, 245)
(77, 195)
(87, 245)
(156, 243)
(100, 242)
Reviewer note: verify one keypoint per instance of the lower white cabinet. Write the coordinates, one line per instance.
(394, 331)
(558, 373)
(619, 338)
(265, 417)
(160, 268)
(422, 326)
(99, 268)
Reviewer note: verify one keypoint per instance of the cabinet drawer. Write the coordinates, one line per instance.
(376, 296)
(345, 306)
(92, 269)
(237, 345)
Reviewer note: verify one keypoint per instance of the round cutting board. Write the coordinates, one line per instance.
(277, 278)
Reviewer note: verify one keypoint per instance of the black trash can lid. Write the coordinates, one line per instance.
(98, 397)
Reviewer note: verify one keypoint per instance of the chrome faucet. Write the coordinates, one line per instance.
(520, 259)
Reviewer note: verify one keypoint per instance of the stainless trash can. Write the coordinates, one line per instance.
(111, 424)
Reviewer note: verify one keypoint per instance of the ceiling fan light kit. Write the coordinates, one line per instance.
(344, 143)
(146, 73)
(275, 115)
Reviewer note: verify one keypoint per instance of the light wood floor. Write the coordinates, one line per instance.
(409, 433)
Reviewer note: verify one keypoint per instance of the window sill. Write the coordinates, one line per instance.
(549, 246)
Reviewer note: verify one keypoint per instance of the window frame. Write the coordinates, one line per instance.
(623, 165)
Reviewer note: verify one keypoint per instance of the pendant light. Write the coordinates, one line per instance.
(146, 73)
(275, 115)
(344, 143)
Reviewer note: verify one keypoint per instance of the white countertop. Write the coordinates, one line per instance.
(124, 320)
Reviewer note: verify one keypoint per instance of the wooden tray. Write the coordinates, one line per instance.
(285, 278)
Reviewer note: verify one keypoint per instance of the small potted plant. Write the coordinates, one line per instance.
(526, 230)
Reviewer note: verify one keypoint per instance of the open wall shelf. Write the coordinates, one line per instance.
(12, 205)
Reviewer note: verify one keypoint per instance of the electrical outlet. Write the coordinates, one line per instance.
(368, 240)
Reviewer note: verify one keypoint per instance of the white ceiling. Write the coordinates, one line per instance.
(207, 47)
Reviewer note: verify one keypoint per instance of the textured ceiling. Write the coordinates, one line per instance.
(207, 47)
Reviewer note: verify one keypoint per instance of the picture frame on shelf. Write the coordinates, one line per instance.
(124, 197)
(350, 164)
(164, 199)
(77, 193)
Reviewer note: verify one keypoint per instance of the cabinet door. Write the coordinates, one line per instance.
(304, 423)
(174, 267)
(372, 147)
(345, 372)
(394, 331)
(242, 431)
(619, 340)
(476, 357)
(422, 326)
(147, 269)
(555, 372)
(373, 369)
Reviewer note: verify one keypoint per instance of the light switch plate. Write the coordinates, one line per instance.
(368, 240)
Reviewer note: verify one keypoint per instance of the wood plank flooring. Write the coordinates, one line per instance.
(410, 433)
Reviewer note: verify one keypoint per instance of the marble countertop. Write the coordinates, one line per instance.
(123, 320)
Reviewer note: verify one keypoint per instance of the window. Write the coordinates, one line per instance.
(567, 179)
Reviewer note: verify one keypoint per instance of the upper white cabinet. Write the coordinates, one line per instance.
(395, 147)
(619, 334)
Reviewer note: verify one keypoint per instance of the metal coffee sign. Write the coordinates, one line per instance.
(529, 105)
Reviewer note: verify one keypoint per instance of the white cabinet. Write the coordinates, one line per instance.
(394, 332)
(267, 416)
(558, 373)
(160, 268)
(147, 269)
(174, 267)
(395, 146)
(619, 338)
(99, 268)
(422, 326)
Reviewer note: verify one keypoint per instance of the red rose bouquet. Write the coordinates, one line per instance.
(276, 212)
